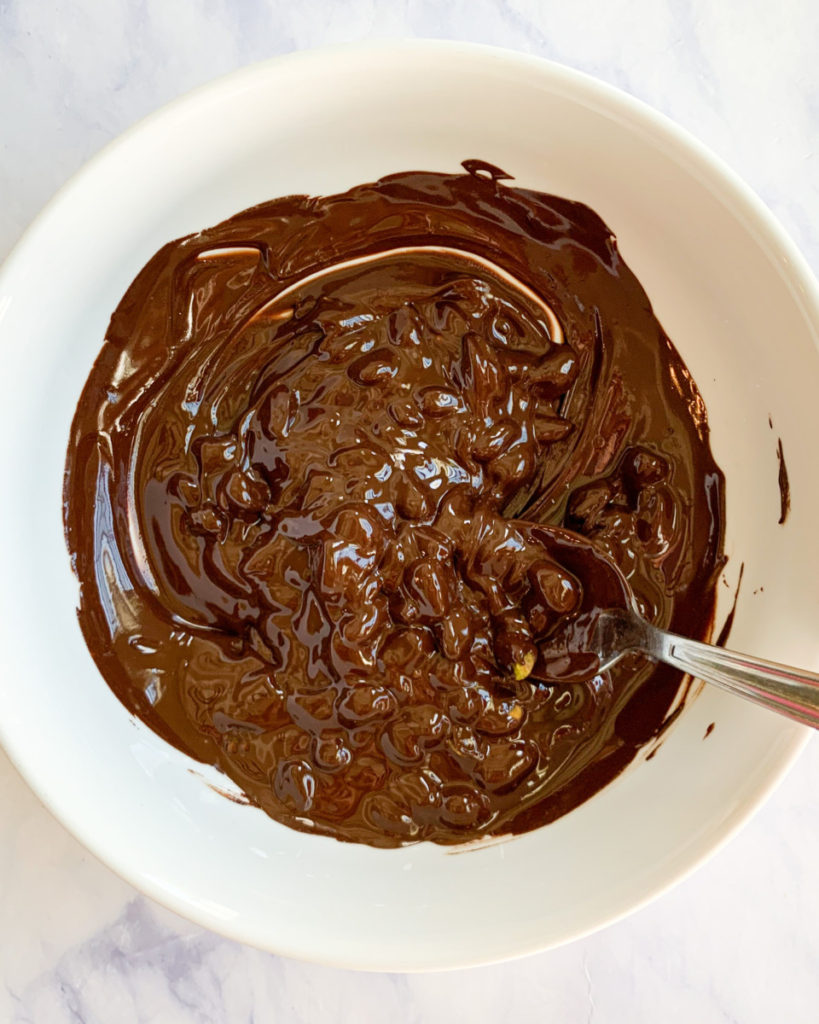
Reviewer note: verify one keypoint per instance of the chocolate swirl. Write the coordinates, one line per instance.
(293, 494)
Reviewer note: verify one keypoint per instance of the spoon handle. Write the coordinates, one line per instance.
(790, 691)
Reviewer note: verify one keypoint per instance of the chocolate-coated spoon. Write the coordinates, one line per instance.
(608, 625)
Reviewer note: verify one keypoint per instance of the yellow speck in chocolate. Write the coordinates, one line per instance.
(524, 668)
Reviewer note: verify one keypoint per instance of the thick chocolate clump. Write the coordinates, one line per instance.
(295, 494)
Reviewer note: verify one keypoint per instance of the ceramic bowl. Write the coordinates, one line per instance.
(728, 286)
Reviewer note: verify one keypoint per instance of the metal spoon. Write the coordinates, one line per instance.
(792, 692)
(609, 626)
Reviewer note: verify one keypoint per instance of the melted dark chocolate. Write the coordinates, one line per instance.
(292, 489)
(784, 484)
(728, 625)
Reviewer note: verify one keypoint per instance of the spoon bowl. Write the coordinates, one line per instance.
(608, 625)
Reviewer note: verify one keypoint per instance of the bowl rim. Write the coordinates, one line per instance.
(574, 82)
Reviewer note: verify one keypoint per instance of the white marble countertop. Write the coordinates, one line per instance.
(739, 941)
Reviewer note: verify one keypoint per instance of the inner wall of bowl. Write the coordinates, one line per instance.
(722, 296)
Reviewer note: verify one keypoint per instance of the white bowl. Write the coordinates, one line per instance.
(730, 289)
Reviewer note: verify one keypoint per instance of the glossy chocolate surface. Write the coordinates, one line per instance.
(303, 491)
